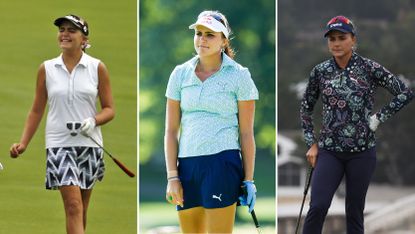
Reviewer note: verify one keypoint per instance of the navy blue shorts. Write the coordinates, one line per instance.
(211, 181)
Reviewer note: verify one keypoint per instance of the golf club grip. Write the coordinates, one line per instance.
(124, 168)
(255, 219)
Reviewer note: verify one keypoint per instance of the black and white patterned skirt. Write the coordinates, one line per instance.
(79, 166)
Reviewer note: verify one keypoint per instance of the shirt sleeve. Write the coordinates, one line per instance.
(173, 90)
(401, 92)
(308, 102)
(246, 87)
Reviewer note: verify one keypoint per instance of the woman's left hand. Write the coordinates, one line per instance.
(249, 196)
(88, 126)
(373, 123)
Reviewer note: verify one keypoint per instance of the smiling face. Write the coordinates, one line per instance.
(340, 44)
(207, 42)
(70, 37)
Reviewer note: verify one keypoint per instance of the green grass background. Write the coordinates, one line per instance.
(28, 37)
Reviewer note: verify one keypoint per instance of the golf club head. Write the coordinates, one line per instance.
(1, 166)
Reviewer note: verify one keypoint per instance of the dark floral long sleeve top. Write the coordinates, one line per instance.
(348, 98)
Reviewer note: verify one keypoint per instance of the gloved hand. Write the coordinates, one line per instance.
(88, 126)
(373, 122)
(248, 197)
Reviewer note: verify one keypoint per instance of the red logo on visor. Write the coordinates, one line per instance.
(207, 20)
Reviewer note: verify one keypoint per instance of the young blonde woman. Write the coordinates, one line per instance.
(71, 84)
(211, 105)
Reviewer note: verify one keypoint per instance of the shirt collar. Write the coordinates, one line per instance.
(82, 62)
(226, 61)
(352, 59)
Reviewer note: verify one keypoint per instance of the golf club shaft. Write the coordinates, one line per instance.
(306, 187)
(120, 165)
(309, 174)
(299, 216)
(256, 221)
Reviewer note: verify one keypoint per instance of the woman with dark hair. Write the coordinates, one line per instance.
(346, 146)
(211, 105)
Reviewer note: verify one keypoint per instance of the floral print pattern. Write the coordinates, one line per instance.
(348, 99)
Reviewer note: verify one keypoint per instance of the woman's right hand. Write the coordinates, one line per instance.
(16, 149)
(174, 192)
(312, 154)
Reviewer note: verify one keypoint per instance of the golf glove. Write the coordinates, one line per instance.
(373, 122)
(248, 197)
(88, 126)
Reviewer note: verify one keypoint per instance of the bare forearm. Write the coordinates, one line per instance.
(31, 125)
(104, 116)
(107, 112)
(171, 139)
(248, 155)
(38, 108)
(171, 151)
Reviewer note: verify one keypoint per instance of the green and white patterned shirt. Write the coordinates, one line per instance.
(209, 109)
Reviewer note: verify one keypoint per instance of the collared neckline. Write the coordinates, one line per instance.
(352, 59)
(226, 61)
(82, 61)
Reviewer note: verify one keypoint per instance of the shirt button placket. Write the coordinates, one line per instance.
(201, 88)
(72, 86)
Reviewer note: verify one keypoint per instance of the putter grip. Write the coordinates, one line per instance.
(124, 168)
(255, 219)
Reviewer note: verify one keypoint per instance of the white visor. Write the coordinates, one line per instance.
(212, 24)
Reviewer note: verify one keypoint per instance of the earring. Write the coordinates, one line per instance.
(222, 50)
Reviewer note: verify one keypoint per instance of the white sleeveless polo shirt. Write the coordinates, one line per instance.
(72, 97)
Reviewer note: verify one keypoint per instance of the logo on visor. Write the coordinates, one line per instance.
(76, 19)
(336, 25)
(207, 20)
(73, 127)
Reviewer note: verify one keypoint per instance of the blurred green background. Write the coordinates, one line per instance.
(164, 42)
(28, 38)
